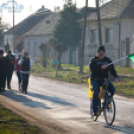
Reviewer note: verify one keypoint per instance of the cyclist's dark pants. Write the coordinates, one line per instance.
(96, 88)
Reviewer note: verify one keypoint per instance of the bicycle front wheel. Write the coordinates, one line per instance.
(110, 111)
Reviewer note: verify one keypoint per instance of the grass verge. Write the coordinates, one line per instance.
(11, 123)
(70, 73)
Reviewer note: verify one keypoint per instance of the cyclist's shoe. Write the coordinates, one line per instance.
(98, 113)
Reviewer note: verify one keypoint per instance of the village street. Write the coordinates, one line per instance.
(67, 105)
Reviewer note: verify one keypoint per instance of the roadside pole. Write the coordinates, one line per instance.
(97, 10)
(13, 28)
(56, 70)
(56, 63)
(83, 40)
(99, 22)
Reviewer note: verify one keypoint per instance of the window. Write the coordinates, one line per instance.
(28, 47)
(35, 49)
(93, 35)
(48, 22)
(108, 35)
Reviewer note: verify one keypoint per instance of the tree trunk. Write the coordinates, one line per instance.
(59, 59)
(44, 61)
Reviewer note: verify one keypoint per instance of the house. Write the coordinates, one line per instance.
(117, 24)
(23, 27)
(41, 34)
(37, 29)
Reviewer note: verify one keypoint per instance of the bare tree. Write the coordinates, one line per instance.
(3, 27)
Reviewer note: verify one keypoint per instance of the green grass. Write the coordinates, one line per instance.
(70, 73)
(13, 124)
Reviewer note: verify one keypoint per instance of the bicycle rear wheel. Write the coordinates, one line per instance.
(110, 111)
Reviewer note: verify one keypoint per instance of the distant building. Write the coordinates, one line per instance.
(117, 23)
(23, 27)
(37, 29)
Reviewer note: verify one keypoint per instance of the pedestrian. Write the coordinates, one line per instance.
(3, 71)
(18, 69)
(10, 68)
(26, 65)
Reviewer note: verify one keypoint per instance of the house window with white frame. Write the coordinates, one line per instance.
(93, 35)
(35, 49)
(28, 47)
(108, 34)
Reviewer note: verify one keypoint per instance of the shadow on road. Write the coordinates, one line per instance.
(50, 98)
(26, 101)
(125, 130)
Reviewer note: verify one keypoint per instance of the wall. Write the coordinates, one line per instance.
(30, 45)
(112, 49)
(127, 31)
(18, 40)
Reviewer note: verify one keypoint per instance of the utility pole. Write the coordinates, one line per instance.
(97, 10)
(83, 40)
(13, 27)
(99, 22)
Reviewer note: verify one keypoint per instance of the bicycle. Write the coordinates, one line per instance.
(107, 106)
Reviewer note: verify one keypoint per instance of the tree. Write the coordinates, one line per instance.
(3, 27)
(43, 48)
(20, 47)
(68, 31)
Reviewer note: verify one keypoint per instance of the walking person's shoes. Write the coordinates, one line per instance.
(25, 92)
(8, 87)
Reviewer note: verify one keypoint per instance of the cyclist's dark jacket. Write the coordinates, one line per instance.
(97, 72)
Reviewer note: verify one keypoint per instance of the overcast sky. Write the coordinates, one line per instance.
(30, 6)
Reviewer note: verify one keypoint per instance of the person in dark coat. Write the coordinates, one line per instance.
(3, 71)
(10, 68)
(26, 65)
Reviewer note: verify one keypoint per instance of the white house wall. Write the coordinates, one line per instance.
(127, 31)
(31, 42)
(112, 48)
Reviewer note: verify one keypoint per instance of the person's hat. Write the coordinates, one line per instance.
(1, 51)
(101, 48)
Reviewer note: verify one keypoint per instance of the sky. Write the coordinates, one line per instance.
(31, 6)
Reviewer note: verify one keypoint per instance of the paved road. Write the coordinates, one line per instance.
(69, 104)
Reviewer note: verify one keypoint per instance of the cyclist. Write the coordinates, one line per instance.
(99, 72)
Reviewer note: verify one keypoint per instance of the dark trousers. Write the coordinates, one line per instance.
(2, 81)
(96, 88)
(19, 77)
(25, 81)
(9, 77)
